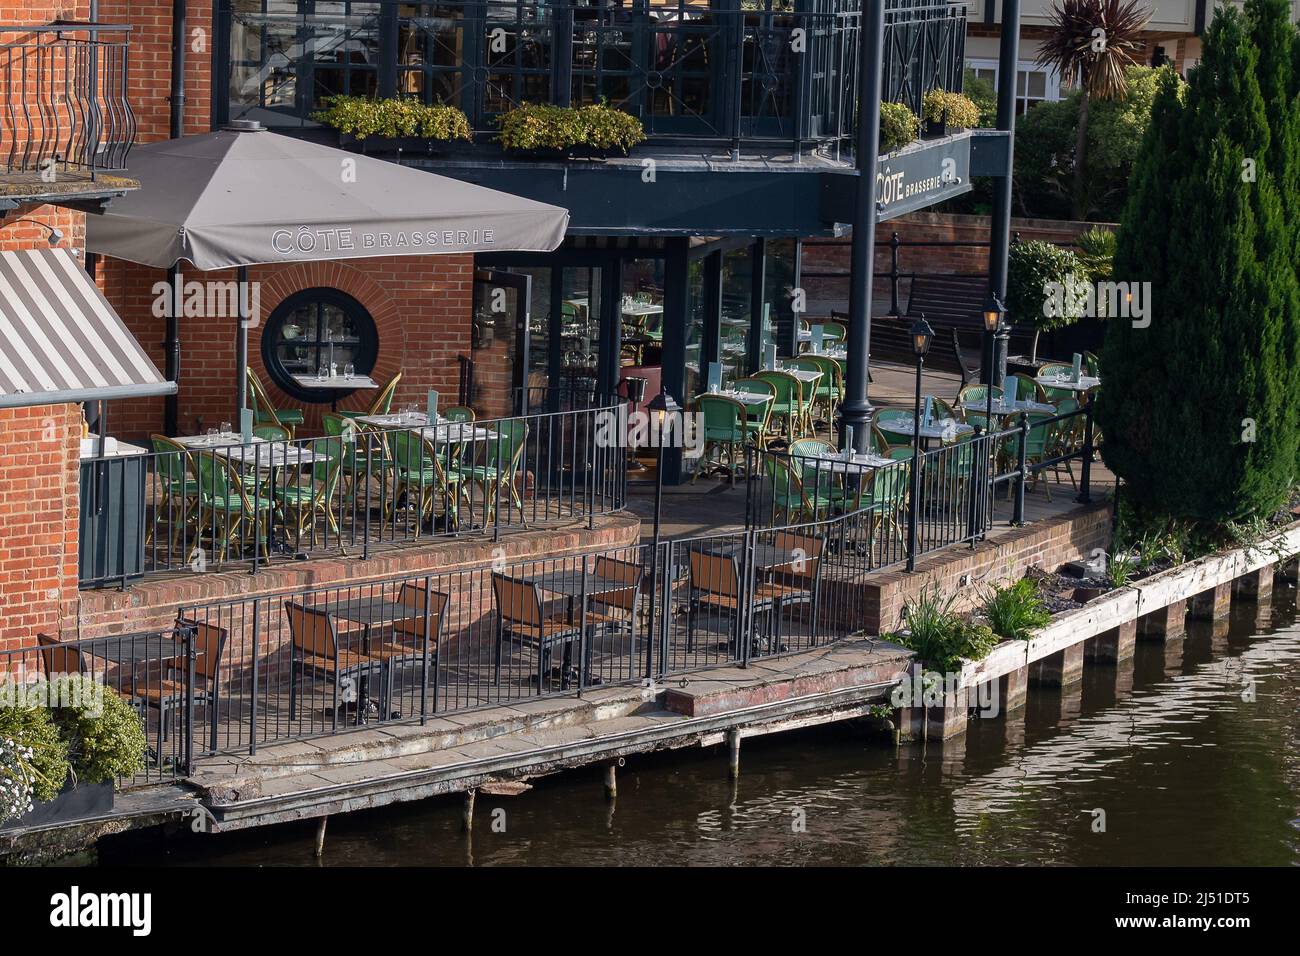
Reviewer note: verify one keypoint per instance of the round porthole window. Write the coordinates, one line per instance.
(312, 329)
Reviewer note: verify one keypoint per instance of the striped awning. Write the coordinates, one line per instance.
(60, 340)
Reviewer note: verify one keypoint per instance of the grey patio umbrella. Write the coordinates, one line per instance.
(245, 196)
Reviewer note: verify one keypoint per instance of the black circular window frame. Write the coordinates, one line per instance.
(367, 349)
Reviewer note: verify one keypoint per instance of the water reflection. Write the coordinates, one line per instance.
(1189, 751)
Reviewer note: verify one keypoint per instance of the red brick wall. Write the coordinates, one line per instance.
(38, 520)
(421, 308)
(150, 63)
(832, 255)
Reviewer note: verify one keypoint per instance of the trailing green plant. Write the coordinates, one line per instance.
(33, 758)
(1016, 610)
(542, 126)
(898, 126)
(393, 117)
(940, 637)
(953, 109)
(1040, 278)
(1206, 227)
(103, 733)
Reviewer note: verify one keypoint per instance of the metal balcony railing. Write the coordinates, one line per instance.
(64, 107)
(738, 71)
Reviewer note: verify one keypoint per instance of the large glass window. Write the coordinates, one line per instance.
(313, 329)
(1034, 84)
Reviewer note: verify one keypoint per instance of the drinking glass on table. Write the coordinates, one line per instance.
(349, 370)
(225, 428)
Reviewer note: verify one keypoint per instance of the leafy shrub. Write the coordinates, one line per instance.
(985, 97)
(955, 109)
(940, 637)
(1033, 267)
(33, 759)
(104, 736)
(1015, 611)
(362, 117)
(541, 126)
(898, 126)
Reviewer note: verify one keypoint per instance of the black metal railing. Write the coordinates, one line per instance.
(215, 502)
(321, 661)
(64, 105)
(757, 71)
(161, 675)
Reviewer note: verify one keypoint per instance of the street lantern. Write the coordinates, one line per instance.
(662, 407)
(922, 336)
(994, 310)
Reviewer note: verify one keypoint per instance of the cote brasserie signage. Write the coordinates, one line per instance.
(914, 179)
(314, 240)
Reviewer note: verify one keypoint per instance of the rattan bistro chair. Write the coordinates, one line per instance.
(264, 412)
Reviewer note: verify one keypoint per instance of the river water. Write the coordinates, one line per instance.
(1188, 755)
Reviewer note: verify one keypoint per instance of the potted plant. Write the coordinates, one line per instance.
(898, 126)
(941, 108)
(544, 129)
(399, 122)
(59, 758)
(1044, 286)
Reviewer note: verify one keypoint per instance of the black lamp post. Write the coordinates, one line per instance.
(635, 388)
(922, 336)
(661, 408)
(994, 310)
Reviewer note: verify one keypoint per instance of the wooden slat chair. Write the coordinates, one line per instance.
(616, 609)
(413, 596)
(315, 650)
(715, 585)
(520, 616)
(209, 644)
(264, 410)
(804, 571)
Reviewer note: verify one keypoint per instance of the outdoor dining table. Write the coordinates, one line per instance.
(999, 407)
(335, 384)
(765, 556)
(444, 431)
(367, 612)
(943, 430)
(837, 464)
(745, 398)
(572, 585)
(1083, 383)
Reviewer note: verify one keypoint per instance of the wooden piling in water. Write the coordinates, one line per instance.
(320, 836)
(467, 813)
(611, 780)
(1164, 624)
(1059, 669)
(1256, 585)
(1212, 604)
(1111, 647)
(733, 752)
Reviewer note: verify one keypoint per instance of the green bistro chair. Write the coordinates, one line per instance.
(264, 412)
(1027, 388)
(884, 496)
(271, 432)
(809, 392)
(1037, 445)
(179, 488)
(810, 473)
(724, 432)
(383, 403)
(941, 409)
(355, 442)
(828, 391)
(302, 502)
(226, 508)
(886, 417)
(833, 332)
(879, 442)
(787, 405)
(418, 474)
(1067, 438)
(758, 414)
(976, 393)
(790, 500)
(1092, 364)
(499, 464)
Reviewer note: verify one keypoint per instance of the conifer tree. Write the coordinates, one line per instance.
(1199, 407)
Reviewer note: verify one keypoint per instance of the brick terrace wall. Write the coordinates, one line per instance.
(421, 308)
(153, 605)
(38, 520)
(832, 255)
(1047, 544)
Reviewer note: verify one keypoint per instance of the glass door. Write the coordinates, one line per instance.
(499, 377)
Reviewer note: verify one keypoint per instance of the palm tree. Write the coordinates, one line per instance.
(1094, 40)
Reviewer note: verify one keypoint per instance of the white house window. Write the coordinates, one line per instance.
(1034, 84)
